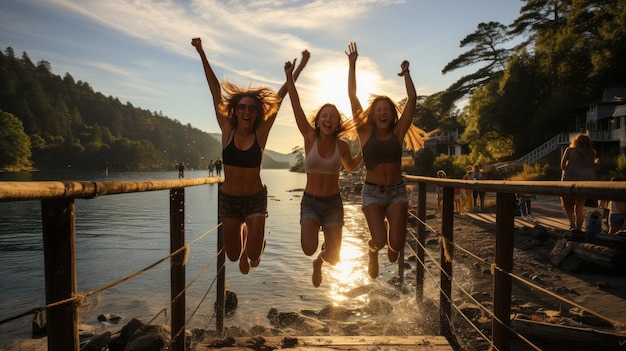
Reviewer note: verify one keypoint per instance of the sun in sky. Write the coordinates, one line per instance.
(328, 83)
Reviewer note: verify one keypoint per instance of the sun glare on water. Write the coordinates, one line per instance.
(351, 272)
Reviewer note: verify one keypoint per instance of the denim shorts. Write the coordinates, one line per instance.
(243, 207)
(325, 210)
(383, 195)
(617, 219)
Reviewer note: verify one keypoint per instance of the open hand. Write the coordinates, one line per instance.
(352, 51)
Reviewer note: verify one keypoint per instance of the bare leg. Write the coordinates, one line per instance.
(244, 265)
(568, 205)
(256, 239)
(234, 240)
(331, 252)
(397, 214)
(375, 216)
(579, 212)
(309, 236)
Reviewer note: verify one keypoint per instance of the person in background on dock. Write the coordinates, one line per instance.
(384, 196)
(245, 117)
(579, 163)
(211, 168)
(321, 204)
(181, 170)
(218, 167)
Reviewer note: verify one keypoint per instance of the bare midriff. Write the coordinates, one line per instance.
(385, 174)
(239, 181)
(322, 184)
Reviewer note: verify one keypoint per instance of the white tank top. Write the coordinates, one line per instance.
(315, 163)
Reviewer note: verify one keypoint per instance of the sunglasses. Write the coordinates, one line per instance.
(243, 107)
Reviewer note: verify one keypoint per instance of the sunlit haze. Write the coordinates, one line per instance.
(140, 51)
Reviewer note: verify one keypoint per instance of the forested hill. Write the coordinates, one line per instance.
(53, 122)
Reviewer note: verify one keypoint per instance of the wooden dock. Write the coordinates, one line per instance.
(528, 221)
(325, 343)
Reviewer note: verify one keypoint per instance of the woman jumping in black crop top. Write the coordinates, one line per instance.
(245, 117)
(384, 198)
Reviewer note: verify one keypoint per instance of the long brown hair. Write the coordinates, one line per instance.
(266, 100)
(583, 141)
(414, 137)
(346, 128)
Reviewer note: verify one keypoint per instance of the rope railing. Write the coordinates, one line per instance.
(465, 292)
(58, 210)
(57, 203)
(600, 190)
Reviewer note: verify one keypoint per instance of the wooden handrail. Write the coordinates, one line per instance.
(12, 191)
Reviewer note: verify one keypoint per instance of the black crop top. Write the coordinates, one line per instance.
(250, 158)
(381, 151)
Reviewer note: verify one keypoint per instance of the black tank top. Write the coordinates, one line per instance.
(250, 158)
(381, 151)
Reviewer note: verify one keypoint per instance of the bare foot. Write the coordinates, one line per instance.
(372, 267)
(256, 262)
(244, 265)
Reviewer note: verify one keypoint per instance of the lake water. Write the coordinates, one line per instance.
(118, 235)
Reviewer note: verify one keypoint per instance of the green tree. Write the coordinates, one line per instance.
(485, 46)
(14, 143)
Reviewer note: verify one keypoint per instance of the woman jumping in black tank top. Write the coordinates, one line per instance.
(245, 117)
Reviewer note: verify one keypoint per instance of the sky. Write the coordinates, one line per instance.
(140, 51)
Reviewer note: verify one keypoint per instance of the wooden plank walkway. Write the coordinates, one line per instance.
(527, 221)
(326, 343)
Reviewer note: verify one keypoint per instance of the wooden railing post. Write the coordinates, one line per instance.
(505, 225)
(447, 252)
(59, 242)
(421, 241)
(177, 268)
(221, 272)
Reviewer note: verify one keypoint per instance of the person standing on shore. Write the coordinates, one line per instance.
(579, 163)
(321, 204)
(384, 195)
(440, 174)
(245, 117)
(479, 195)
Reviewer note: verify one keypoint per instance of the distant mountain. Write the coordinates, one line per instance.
(271, 159)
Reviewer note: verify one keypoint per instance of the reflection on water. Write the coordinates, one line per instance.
(350, 272)
(118, 235)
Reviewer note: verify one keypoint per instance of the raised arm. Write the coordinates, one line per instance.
(214, 84)
(305, 127)
(405, 121)
(282, 92)
(269, 121)
(354, 100)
